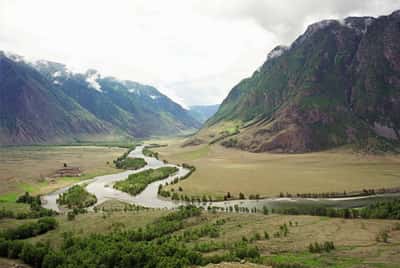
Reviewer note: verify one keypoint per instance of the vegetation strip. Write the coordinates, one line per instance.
(77, 197)
(130, 163)
(125, 162)
(379, 210)
(137, 182)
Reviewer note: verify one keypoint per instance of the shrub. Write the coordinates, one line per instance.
(265, 210)
(266, 235)
(34, 254)
(383, 236)
(318, 248)
(71, 215)
(243, 250)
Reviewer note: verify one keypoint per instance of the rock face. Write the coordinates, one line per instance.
(338, 83)
(44, 102)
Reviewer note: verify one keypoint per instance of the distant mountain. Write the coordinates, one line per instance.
(44, 102)
(202, 112)
(338, 83)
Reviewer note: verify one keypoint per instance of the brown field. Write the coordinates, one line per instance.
(355, 240)
(25, 168)
(221, 170)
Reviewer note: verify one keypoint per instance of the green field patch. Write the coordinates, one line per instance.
(15, 207)
(9, 197)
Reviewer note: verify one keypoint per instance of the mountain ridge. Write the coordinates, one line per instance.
(83, 104)
(338, 83)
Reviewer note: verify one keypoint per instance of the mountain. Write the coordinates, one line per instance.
(338, 83)
(202, 112)
(31, 113)
(44, 102)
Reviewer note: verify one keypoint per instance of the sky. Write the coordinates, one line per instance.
(194, 51)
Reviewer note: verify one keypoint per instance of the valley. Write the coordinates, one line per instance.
(220, 170)
(224, 156)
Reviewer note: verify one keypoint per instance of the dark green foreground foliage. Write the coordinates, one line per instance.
(27, 230)
(136, 183)
(379, 210)
(77, 197)
(153, 246)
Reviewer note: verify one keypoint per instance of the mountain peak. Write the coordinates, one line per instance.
(277, 52)
(360, 24)
(395, 13)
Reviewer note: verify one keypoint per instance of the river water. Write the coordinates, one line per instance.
(102, 187)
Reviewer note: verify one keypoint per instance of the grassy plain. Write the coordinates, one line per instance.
(25, 168)
(355, 239)
(220, 170)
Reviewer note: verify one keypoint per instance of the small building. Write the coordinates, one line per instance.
(68, 172)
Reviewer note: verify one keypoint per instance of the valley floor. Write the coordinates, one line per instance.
(220, 170)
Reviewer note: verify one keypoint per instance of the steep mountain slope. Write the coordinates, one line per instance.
(203, 112)
(338, 83)
(32, 111)
(99, 105)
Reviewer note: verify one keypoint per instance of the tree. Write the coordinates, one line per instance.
(266, 235)
(265, 210)
(71, 216)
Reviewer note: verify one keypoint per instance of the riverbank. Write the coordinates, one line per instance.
(102, 188)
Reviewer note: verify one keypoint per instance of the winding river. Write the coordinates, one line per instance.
(102, 187)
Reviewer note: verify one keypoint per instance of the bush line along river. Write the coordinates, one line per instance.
(102, 188)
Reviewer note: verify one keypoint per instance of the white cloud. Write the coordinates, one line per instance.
(194, 51)
(91, 79)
